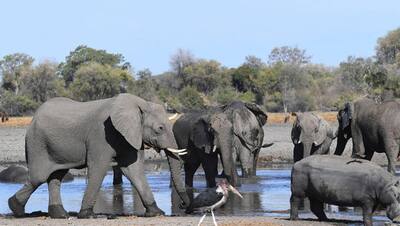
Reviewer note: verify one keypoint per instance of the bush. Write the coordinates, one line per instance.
(224, 95)
(190, 99)
(17, 105)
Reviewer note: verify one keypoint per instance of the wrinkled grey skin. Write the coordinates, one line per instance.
(66, 134)
(248, 121)
(230, 129)
(19, 174)
(346, 182)
(374, 128)
(310, 135)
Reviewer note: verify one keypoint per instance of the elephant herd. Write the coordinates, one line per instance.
(373, 127)
(66, 134)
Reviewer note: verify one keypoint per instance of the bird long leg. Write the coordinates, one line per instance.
(215, 222)
(201, 219)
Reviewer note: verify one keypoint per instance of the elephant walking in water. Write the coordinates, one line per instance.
(66, 134)
(310, 135)
(231, 131)
(373, 127)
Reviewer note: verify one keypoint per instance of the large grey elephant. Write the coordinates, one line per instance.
(248, 121)
(373, 127)
(66, 134)
(344, 181)
(310, 134)
(226, 130)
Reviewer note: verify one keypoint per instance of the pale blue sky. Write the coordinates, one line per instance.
(148, 32)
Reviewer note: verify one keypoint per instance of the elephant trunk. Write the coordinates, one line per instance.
(228, 163)
(175, 168)
(307, 146)
(341, 143)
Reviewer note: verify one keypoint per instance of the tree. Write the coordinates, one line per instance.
(43, 83)
(254, 62)
(84, 55)
(145, 86)
(12, 68)
(96, 81)
(179, 61)
(289, 62)
(288, 55)
(388, 48)
(353, 72)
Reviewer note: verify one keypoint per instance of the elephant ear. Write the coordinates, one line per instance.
(245, 126)
(126, 117)
(321, 131)
(201, 135)
(261, 116)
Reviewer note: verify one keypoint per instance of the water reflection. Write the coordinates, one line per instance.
(266, 195)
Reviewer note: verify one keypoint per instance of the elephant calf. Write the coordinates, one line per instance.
(310, 135)
(346, 182)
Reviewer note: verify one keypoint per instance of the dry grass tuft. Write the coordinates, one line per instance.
(282, 117)
(16, 122)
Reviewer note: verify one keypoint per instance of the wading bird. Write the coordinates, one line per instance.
(213, 198)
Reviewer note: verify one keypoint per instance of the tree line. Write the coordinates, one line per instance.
(287, 80)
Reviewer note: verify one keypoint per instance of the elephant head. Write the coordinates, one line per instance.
(145, 123)
(248, 120)
(391, 198)
(343, 133)
(215, 131)
(309, 131)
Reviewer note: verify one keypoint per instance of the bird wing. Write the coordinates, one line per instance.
(207, 198)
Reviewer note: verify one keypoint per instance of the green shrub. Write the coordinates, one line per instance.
(17, 105)
(190, 99)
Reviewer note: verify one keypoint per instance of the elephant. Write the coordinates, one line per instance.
(248, 121)
(372, 127)
(67, 134)
(344, 181)
(310, 135)
(3, 116)
(19, 174)
(226, 131)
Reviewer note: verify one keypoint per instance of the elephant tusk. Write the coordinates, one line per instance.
(173, 117)
(214, 148)
(182, 153)
(176, 150)
(235, 191)
(299, 142)
(267, 145)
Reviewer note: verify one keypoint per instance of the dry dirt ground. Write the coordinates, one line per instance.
(167, 221)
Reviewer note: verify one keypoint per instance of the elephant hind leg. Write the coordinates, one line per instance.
(317, 207)
(38, 174)
(18, 201)
(56, 209)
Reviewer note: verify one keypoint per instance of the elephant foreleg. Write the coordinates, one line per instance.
(392, 151)
(135, 173)
(210, 166)
(56, 209)
(96, 172)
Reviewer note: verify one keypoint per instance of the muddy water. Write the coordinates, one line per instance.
(266, 195)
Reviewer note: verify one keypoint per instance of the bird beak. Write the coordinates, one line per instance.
(232, 189)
